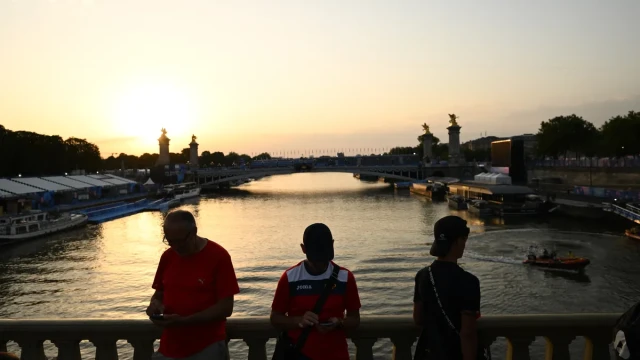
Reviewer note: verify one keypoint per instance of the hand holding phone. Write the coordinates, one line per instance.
(156, 316)
(327, 323)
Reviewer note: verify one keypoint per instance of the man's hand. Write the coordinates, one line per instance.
(155, 307)
(169, 320)
(328, 328)
(308, 319)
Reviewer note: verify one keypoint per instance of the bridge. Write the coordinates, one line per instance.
(388, 167)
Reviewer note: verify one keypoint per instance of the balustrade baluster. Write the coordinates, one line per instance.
(68, 349)
(518, 347)
(402, 347)
(257, 348)
(142, 348)
(31, 349)
(597, 348)
(106, 349)
(558, 347)
(486, 340)
(364, 348)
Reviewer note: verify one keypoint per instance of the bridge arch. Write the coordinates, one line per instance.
(222, 177)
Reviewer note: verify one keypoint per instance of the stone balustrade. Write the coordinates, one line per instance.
(519, 330)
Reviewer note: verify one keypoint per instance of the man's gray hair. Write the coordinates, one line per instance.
(181, 216)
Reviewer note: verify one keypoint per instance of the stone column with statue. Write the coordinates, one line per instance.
(193, 153)
(454, 140)
(427, 145)
(163, 141)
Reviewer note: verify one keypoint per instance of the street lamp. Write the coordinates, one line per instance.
(19, 175)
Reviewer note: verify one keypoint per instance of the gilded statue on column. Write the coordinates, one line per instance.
(452, 119)
(425, 127)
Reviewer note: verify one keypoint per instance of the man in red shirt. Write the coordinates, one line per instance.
(195, 284)
(300, 287)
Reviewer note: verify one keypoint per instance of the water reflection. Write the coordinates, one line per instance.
(580, 277)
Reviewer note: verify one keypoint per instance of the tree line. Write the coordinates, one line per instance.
(571, 134)
(28, 153)
(561, 136)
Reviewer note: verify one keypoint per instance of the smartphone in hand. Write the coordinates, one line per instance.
(157, 317)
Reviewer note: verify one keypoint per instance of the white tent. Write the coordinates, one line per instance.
(149, 182)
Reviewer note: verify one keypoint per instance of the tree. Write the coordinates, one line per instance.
(246, 158)
(263, 156)
(231, 159)
(621, 135)
(82, 154)
(186, 154)
(562, 134)
(218, 157)
(147, 161)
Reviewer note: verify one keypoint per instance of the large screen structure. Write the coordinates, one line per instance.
(507, 157)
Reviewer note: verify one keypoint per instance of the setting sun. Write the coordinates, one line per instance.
(142, 111)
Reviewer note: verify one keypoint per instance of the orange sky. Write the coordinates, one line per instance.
(288, 75)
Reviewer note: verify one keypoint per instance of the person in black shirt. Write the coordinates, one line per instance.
(446, 301)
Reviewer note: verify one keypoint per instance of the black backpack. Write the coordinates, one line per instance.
(626, 335)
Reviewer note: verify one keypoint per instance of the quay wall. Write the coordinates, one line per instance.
(604, 176)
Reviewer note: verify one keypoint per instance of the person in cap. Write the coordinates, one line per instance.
(299, 289)
(446, 300)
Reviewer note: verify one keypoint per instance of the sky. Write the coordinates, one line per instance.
(253, 76)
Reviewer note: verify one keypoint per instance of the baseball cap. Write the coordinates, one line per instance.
(446, 231)
(318, 242)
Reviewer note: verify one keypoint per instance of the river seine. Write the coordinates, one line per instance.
(382, 235)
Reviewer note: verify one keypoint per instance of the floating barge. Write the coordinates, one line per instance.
(502, 198)
(434, 191)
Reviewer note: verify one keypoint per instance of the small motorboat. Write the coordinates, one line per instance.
(553, 262)
(633, 233)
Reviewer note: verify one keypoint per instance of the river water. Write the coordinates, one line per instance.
(382, 235)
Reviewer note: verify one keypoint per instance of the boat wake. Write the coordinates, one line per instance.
(495, 259)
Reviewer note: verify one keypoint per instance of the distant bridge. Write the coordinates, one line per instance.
(400, 172)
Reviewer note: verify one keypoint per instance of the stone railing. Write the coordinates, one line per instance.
(519, 330)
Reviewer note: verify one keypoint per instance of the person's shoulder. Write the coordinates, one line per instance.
(344, 274)
(469, 278)
(342, 268)
(294, 269)
(422, 271)
(168, 254)
(215, 249)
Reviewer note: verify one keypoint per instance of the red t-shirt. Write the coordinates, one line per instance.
(192, 284)
(298, 292)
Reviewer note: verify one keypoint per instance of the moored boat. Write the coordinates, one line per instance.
(480, 208)
(457, 202)
(403, 185)
(183, 191)
(16, 228)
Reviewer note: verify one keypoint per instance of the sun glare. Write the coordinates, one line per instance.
(143, 110)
